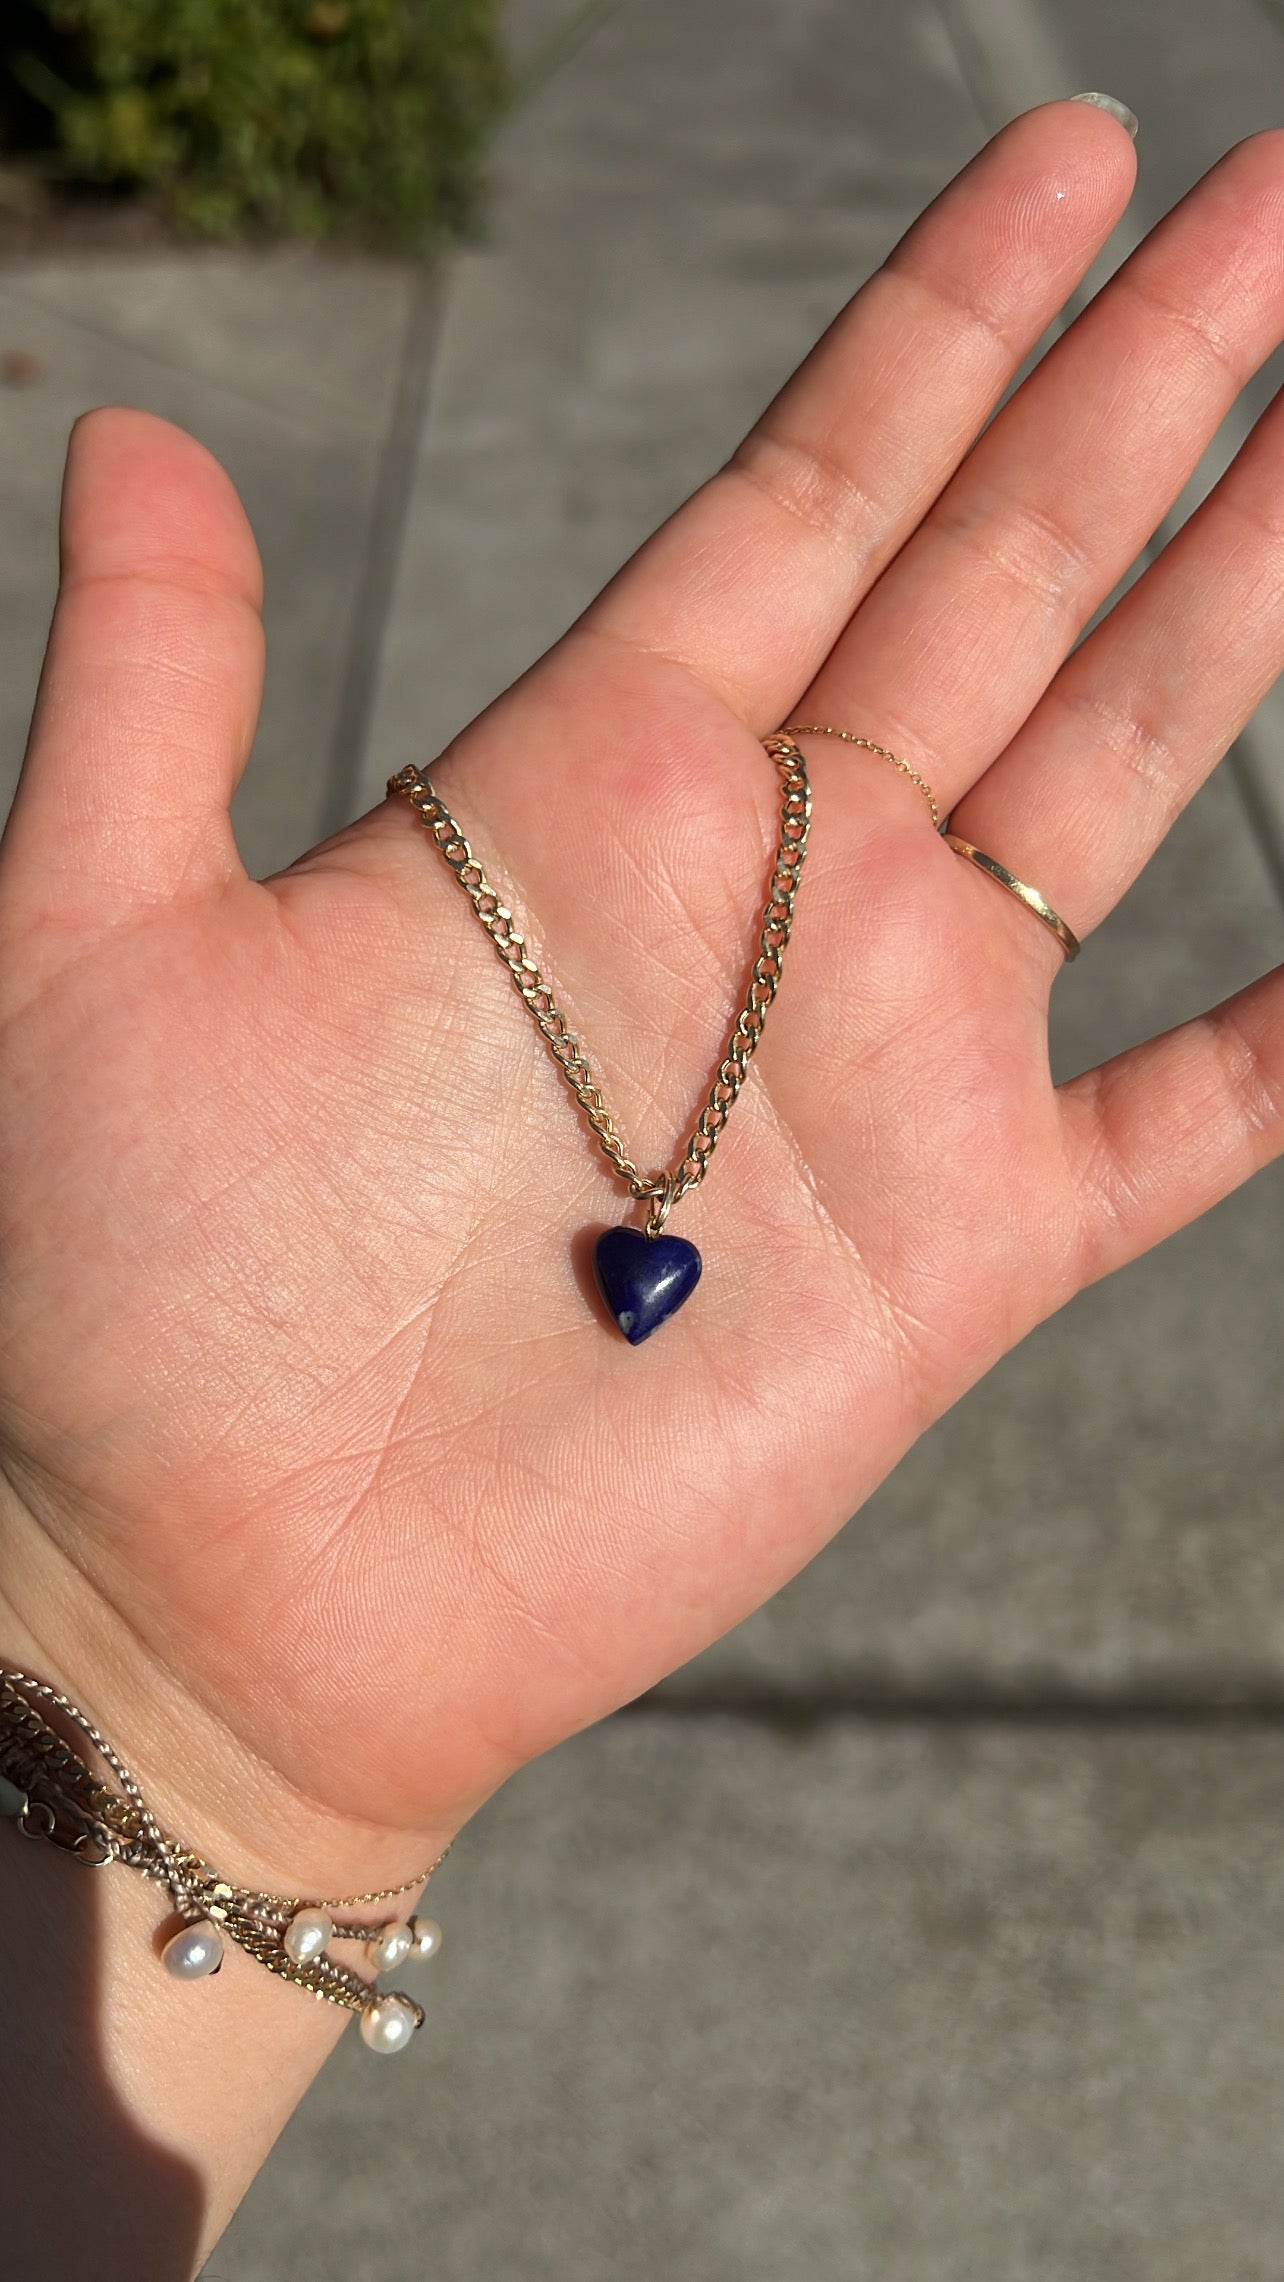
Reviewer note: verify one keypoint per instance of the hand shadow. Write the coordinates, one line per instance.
(89, 2196)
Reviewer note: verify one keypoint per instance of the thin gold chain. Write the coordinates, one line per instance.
(663, 1189)
(867, 745)
(60, 1799)
(125, 1815)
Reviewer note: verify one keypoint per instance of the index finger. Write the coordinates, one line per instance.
(753, 580)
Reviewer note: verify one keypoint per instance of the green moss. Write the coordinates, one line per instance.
(361, 119)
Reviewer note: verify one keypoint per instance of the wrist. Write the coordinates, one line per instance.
(207, 1788)
(170, 2093)
(172, 2090)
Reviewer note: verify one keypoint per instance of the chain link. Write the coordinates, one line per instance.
(867, 745)
(662, 1188)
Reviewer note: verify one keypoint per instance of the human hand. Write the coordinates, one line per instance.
(318, 1444)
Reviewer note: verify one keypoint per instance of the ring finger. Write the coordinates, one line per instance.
(1146, 706)
(968, 625)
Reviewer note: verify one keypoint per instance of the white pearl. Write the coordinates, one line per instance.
(307, 1934)
(390, 1948)
(427, 1935)
(388, 2024)
(194, 1952)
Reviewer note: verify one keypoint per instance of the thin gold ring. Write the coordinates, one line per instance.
(1025, 894)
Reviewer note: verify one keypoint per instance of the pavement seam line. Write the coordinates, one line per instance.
(381, 554)
(805, 1709)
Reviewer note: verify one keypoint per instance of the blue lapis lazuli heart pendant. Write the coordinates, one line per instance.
(644, 1279)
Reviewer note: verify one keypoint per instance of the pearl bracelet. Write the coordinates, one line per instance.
(48, 1791)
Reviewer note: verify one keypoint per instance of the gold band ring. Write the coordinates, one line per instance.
(1029, 896)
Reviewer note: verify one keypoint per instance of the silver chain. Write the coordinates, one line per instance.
(63, 1801)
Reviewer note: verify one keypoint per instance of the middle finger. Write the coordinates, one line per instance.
(967, 626)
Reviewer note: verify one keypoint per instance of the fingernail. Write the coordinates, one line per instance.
(1117, 110)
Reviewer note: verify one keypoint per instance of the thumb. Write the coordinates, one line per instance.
(149, 694)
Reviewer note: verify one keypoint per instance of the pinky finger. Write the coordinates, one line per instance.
(1163, 1132)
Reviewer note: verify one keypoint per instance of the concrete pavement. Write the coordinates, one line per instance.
(726, 2000)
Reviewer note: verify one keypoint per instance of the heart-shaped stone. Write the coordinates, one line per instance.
(644, 1279)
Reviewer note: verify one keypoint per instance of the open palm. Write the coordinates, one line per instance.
(308, 1405)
